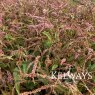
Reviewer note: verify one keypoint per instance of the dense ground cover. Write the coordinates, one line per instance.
(39, 37)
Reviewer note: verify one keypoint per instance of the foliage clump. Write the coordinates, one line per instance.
(38, 37)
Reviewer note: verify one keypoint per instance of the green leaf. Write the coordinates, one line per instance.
(54, 66)
(47, 44)
(24, 68)
(2, 65)
(30, 85)
(17, 81)
(91, 66)
(57, 36)
(47, 34)
(7, 57)
(9, 37)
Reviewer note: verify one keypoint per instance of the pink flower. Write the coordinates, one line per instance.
(1, 52)
(90, 50)
(89, 26)
(1, 19)
(76, 55)
(2, 35)
(63, 61)
(41, 26)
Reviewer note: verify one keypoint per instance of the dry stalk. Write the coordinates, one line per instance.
(37, 90)
(32, 74)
